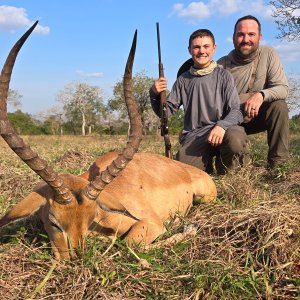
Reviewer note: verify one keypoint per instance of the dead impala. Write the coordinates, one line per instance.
(128, 195)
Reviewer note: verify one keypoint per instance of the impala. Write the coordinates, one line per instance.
(125, 194)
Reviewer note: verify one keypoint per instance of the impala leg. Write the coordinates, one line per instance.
(144, 232)
(189, 231)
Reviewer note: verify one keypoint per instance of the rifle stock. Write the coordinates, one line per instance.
(164, 129)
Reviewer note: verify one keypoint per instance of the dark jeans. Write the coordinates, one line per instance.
(273, 118)
(230, 154)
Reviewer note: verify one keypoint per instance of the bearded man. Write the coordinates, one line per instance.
(262, 86)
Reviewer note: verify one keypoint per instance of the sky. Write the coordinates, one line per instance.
(89, 41)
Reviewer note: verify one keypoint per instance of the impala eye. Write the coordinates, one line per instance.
(55, 226)
(54, 223)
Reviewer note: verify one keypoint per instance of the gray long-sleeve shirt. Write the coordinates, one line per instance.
(207, 101)
(270, 77)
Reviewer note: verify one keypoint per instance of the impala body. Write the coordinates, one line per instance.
(126, 194)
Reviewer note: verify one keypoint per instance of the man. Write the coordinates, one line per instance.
(259, 78)
(211, 109)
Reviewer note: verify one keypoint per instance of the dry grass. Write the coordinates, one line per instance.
(246, 247)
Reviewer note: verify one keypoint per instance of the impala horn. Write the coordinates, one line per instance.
(15, 142)
(94, 188)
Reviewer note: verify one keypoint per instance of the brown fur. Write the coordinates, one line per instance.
(152, 188)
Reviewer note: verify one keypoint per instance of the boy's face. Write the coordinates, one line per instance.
(202, 50)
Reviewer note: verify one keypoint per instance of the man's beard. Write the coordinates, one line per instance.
(246, 51)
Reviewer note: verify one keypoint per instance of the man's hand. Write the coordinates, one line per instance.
(252, 105)
(216, 135)
(159, 85)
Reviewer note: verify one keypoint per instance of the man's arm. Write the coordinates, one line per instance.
(270, 78)
(274, 85)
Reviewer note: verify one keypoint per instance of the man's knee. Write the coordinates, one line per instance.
(278, 109)
(279, 105)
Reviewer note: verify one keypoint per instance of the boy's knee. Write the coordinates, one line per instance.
(235, 139)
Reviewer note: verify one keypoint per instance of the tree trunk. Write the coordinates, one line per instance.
(83, 124)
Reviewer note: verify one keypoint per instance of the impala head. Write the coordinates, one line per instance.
(65, 203)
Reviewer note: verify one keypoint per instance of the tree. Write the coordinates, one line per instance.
(23, 123)
(151, 121)
(52, 120)
(140, 88)
(81, 104)
(293, 99)
(52, 125)
(14, 99)
(295, 123)
(287, 15)
(176, 122)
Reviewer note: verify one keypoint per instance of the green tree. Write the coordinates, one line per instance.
(52, 125)
(52, 120)
(81, 104)
(23, 123)
(140, 88)
(287, 18)
(176, 122)
(295, 123)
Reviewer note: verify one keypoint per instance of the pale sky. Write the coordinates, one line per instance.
(89, 40)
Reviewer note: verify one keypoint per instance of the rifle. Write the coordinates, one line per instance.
(164, 129)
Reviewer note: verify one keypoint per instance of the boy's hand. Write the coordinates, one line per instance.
(216, 135)
(159, 85)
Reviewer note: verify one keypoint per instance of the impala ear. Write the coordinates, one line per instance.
(26, 207)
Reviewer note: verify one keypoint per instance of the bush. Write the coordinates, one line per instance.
(295, 123)
(23, 123)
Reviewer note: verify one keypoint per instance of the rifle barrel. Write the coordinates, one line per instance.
(163, 106)
(158, 43)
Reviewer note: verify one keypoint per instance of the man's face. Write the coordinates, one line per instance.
(247, 37)
(202, 50)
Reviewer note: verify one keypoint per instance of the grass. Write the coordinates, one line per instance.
(247, 245)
